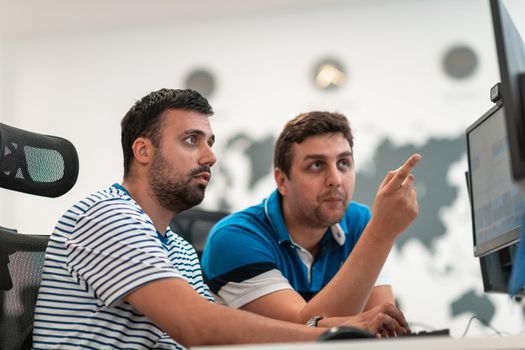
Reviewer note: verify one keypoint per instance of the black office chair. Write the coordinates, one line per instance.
(21, 262)
(194, 225)
(41, 165)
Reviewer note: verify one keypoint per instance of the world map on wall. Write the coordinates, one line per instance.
(434, 193)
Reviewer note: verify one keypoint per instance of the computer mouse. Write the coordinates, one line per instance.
(340, 333)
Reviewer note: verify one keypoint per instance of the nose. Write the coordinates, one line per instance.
(333, 176)
(208, 156)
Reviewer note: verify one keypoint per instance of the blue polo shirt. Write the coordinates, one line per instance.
(250, 253)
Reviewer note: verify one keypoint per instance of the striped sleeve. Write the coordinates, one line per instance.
(114, 250)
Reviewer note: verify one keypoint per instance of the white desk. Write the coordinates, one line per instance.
(415, 343)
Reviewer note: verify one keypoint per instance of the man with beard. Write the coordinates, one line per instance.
(307, 254)
(115, 276)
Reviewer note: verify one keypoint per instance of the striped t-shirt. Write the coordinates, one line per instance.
(103, 248)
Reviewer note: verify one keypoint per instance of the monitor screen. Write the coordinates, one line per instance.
(511, 58)
(497, 203)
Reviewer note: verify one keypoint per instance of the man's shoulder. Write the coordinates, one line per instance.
(106, 196)
(249, 218)
(244, 227)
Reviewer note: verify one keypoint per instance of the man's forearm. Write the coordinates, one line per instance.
(191, 320)
(349, 290)
(380, 295)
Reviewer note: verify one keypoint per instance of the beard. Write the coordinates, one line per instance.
(325, 214)
(324, 218)
(172, 189)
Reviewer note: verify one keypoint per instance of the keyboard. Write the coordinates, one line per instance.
(434, 333)
(340, 333)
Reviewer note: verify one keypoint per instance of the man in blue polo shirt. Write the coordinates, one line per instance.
(307, 254)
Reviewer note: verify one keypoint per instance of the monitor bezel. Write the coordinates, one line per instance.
(508, 238)
(509, 44)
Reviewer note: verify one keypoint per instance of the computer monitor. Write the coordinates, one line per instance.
(511, 57)
(497, 203)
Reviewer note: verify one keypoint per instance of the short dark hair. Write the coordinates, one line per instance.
(144, 118)
(306, 125)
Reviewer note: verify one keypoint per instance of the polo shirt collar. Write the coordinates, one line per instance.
(122, 188)
(274, 213)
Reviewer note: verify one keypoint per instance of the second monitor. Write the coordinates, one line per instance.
(497, 202)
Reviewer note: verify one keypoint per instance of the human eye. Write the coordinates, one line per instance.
(344, 163)
(315, 165)
(191, 139)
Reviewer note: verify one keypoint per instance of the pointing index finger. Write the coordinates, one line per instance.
(403, 171)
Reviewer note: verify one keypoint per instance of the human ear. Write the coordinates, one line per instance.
(142, 150)
(280, 180)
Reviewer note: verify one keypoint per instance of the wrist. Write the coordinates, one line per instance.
(379, 232)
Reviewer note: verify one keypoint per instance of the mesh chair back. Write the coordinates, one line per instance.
(194, 225)
(35, 163)
(21, 262)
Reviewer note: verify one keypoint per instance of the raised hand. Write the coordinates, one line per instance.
(395, 206)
